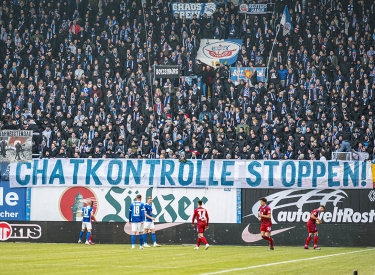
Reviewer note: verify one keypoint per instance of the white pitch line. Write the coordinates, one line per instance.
(285, 262)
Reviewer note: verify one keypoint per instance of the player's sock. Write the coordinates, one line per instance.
(315, 240)
(198, 241)
(308, 239)
(153, 236)
(266, 238)
(88, 236)
(141, 239)
(271, 241)
(204, 239)
(133, 239)
(80, 235)
(145, 238)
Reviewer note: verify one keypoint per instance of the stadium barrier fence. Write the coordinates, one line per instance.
(217, 234)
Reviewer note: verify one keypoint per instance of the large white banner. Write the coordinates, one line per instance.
(112, 204)
(197, 174)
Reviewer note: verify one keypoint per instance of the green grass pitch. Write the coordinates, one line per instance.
(27, 258)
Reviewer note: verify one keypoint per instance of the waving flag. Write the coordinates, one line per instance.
(286, 22)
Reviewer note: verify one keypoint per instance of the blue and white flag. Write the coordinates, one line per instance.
(286, 22)
(189, 9)
(216, 51)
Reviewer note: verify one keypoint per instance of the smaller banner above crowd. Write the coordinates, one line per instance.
(189, 9)
(216, 51)
(245, 73)
(15, 145)
(253, 8)
(167, 71)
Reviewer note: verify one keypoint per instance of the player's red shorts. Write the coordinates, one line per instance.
(311, 228)
(201, 227)
(266, 227)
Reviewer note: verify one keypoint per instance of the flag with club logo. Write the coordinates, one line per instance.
(286, 22)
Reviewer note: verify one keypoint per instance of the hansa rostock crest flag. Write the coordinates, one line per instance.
(215, 51)
(286, 22)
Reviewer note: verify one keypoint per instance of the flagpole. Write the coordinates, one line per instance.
(270, 53)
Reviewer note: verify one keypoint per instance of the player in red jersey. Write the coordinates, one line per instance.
(201, 215)
(264, 216)
(311, 227)
(90, 238)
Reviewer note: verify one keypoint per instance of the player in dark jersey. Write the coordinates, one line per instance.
(201, 215)
(311, 227)
(264, 216)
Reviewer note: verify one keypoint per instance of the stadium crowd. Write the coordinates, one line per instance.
(79, 74)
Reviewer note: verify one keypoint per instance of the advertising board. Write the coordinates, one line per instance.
(112, 204)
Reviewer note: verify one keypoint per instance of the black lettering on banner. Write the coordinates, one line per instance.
(12, 133)
(26, 231)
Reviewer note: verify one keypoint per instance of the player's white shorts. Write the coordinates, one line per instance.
(149, 225)
(137, 227)
(86, 225)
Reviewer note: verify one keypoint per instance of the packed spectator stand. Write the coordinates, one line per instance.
(80, 75)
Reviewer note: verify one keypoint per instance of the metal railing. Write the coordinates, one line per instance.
(342, 156)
